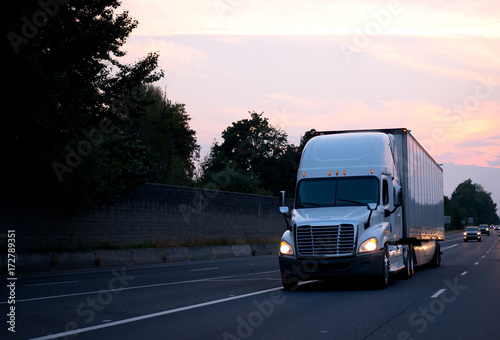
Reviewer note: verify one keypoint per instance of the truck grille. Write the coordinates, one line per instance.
(334, 240)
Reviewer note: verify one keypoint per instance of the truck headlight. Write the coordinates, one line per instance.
(286, 248)
(368, 245)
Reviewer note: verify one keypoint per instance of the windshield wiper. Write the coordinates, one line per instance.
(349, 201)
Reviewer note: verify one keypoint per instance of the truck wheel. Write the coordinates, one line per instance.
(409, 265)
(382, 281)
(289, 282)
(436, 259)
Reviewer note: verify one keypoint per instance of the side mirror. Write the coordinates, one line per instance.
(284, 208)
(285, 211)
(371, 207)
(398, 196)
(283, 198)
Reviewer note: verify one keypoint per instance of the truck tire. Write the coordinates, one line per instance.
(382, 280)
(436, 259)
(410, 264)
(289, 282)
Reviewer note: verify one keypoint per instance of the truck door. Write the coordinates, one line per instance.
(395, 219)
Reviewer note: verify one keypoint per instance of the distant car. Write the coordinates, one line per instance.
(472, 233)
(485, 229)
(497, 227)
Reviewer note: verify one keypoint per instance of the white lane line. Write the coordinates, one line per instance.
(464, 273)
(476, 263)
(204, 269)
(454, 239)
(439, 292)
(246, 280)
(49, 283)
(153, 315)
(136, 287)
(449, 247)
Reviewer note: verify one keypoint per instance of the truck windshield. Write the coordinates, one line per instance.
(336, 192)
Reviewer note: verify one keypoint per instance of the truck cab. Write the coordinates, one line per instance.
(347, 218)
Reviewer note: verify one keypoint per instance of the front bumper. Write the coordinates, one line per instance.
(368, 264)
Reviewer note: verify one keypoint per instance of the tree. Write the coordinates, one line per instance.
(230, 179)
(281, 173)
(248, 142)
(471, 200)
(304, 139)
(285, 176)
(70, 102)
(251, 147)
(255, 157)
(164, 128)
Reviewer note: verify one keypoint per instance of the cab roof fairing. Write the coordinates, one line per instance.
(357, 153)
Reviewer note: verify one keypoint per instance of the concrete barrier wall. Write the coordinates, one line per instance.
(153, 216)
(51, 261)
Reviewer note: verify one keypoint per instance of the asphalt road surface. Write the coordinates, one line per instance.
(242, 298)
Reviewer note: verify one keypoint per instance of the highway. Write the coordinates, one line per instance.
(242, 298)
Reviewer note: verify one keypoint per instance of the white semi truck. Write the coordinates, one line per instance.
(367, 203)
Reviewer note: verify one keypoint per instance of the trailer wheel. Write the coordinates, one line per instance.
(409, 265)
(436, 259)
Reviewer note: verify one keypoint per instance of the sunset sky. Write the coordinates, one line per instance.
(430, 66)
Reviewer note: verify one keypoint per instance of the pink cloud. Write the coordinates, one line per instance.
(174, 57)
